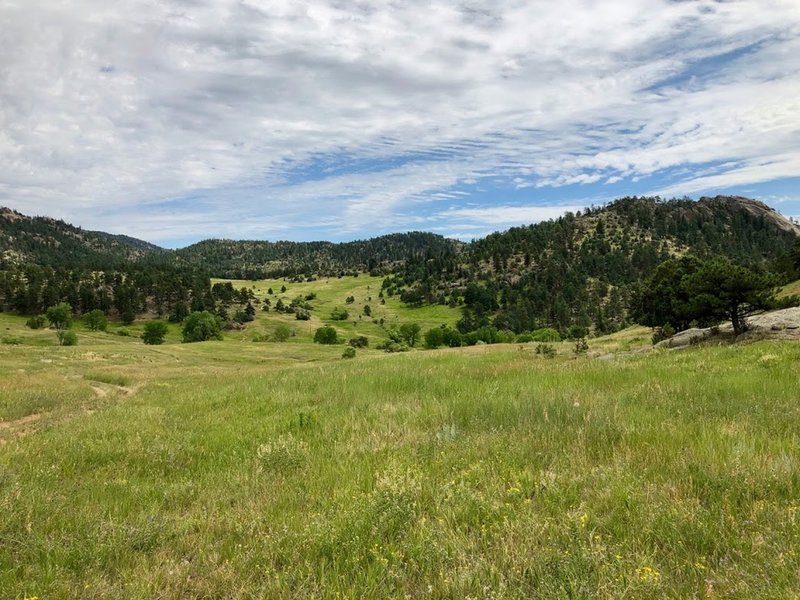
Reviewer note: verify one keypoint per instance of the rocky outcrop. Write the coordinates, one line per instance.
(778, 324)
(759, 209)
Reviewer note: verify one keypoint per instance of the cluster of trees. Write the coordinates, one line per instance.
(199, 326)
(596, 271)
(687, 291)
(300, 306)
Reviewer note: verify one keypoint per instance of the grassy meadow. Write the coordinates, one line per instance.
(236, 469)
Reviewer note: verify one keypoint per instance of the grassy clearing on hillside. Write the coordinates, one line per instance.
(333, 292)
(240, 470)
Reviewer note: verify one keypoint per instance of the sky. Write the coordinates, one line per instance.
(180, 120)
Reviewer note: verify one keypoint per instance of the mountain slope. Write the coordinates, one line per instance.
(45, 241)
(577, 270)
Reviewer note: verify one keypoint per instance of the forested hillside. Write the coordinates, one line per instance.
(258, 259)
(577, 271)
(43, 241)
(125, 293)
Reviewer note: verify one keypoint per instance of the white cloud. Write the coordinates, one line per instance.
(108, 111)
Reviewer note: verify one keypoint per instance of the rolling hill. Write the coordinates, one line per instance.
(252, 259)
(52, 242)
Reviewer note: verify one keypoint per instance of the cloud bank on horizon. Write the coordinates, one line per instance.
(179, 120)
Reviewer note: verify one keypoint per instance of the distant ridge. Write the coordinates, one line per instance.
(253, 259)
(642, 230)
(46, 241)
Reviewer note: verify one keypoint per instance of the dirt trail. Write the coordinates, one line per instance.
(17, 428)
(21, 422)
(101, 391)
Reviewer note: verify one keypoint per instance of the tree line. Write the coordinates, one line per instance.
(125, 293)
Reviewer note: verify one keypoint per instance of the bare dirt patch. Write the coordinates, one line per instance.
(18, 427)
(101, 391)
(21, 422)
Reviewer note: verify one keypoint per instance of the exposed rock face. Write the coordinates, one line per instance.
(778, 324)
(687, 337)
(757, 208)
(782, 323)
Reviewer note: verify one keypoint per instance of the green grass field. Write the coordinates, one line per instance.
(236, 469)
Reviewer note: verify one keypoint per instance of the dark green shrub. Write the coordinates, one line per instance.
(201, 326)
(576, 332)
(68, 338)
(433, 338)
(96, 320)
(349, 352)
(452, 337)
(36, 322)
(359, 342)
(154, 332)
(546, 350)
(242, 317)
(127, 316)
(546, 334)
(326, 335)
(339, 314)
